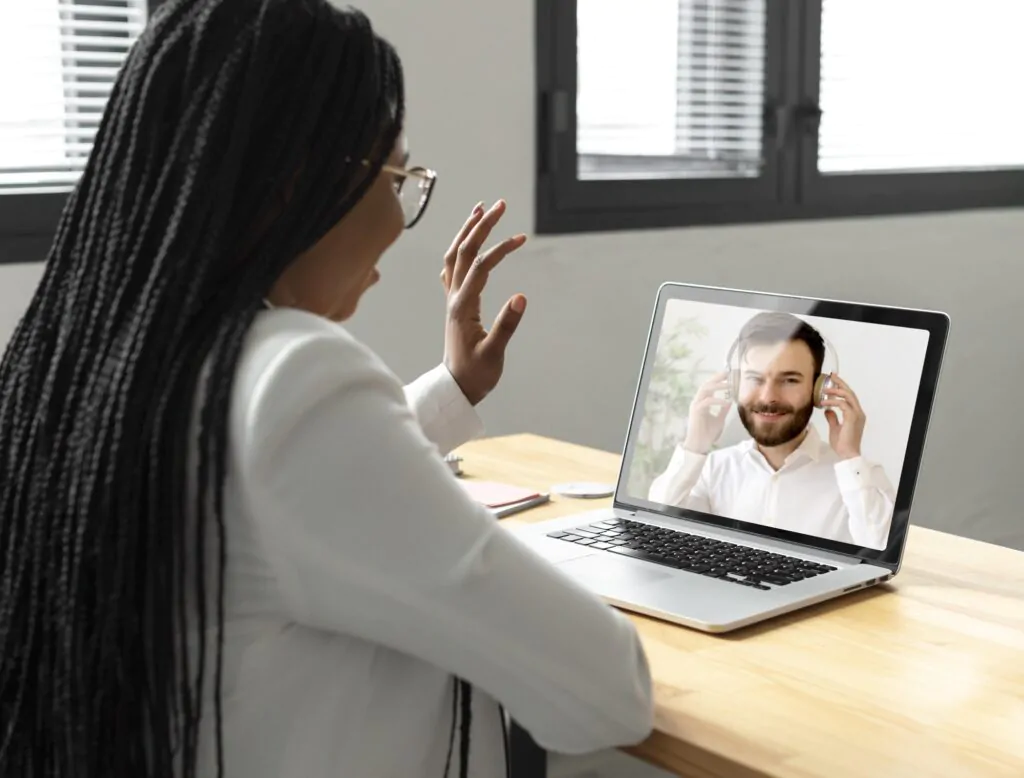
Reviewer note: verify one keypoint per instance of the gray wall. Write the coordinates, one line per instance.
(573, 365)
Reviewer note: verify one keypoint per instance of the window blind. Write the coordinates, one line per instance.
(58, 62)
(670, 88)
(720, 105)
(921, 85)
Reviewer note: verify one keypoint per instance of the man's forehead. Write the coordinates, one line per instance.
(778, 357)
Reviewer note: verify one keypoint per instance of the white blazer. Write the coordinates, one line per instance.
(360, 577)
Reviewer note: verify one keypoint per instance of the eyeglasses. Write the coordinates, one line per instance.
(414, 186)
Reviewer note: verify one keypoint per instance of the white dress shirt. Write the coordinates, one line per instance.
(814, 492)
(360, 577)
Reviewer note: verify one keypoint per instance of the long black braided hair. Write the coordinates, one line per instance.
(237, 133)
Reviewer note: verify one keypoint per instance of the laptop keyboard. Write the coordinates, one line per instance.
(697, 554)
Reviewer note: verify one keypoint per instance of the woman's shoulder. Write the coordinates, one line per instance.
(281, 329)
(292, 361)
(283, 336)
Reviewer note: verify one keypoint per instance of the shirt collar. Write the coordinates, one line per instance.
(811, 447)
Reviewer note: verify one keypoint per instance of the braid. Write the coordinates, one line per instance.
(466, 722)
(112, 537)
(456, 688)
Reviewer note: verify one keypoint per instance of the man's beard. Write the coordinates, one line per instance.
(776, 433)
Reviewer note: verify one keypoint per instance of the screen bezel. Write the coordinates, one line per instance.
(935, 323)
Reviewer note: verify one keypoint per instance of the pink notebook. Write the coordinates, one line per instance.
(495, 495)
(503, 499)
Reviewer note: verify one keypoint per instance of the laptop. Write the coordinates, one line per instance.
(770, 460)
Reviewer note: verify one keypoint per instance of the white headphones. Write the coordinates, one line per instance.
(822, 383)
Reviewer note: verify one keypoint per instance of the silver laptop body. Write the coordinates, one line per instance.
(718, 573)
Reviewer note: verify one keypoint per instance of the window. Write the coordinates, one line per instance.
(58, 60)
(697, 111)
(935, 107)
(676, 112)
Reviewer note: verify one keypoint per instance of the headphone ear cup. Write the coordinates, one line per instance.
(819, 389)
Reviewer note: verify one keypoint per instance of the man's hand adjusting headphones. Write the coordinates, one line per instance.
(844, 435)
(704, 427)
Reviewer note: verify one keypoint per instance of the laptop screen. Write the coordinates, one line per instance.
(793, 422)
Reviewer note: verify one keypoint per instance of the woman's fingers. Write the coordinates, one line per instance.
(470, 247)
(476, 276)
(450, 255)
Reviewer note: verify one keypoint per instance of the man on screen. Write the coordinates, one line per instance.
(786, 476)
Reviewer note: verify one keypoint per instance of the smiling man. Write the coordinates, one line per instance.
(785, 476)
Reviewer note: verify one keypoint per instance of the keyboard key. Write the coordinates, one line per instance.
(630, 552)
(585, 541)
(557, 535)
(601, 545)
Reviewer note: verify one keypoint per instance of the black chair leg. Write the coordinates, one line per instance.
(528, 759)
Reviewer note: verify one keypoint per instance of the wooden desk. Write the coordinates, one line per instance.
(920, 678)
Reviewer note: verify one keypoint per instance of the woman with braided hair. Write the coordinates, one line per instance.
(229, 544)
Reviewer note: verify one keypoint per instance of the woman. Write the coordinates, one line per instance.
(229, 543)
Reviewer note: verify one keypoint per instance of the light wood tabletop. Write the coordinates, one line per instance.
(922, 677)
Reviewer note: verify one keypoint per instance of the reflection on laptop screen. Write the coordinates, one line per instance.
(738, 418)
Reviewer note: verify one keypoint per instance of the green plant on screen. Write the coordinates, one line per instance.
(674, 380)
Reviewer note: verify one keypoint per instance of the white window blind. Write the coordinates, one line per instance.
(669, 88)
(921, 85)
(58, 61)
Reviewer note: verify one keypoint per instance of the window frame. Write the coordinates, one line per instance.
(30, 220)
(791, 187)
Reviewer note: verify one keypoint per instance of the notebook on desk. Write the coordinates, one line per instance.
(503, 499)
(757, 476)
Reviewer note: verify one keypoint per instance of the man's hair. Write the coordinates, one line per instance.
(769, 328)
(237, 133)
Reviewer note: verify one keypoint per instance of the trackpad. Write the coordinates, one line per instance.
(605, 573)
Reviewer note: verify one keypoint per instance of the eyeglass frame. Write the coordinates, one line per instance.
(422, 173)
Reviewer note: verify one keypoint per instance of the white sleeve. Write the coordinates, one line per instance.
(369, 535)
(448, 419)
(869, 499)
(682, 484)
